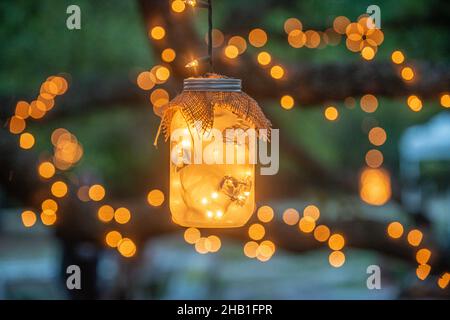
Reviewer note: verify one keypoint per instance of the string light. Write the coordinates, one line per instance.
(395, 230)
(268, 248)
(291, 216)
(307, 224)
(256, 231)
(126, 247)
(336, 259)
(257, 37)
(331, 113)
(162, 74)
(377, 136)
(265, 214)
(159, 97)
(444, 280)
(415, 237)
(36, 112)
(16, 125)
(28, 218)
(22, 109)
(168, 55)
(59, 189)
(374, 158)
(122, 215)
(312, 39)
(214, 243)
(407, 73)
(202, 245)
(178, 6)
(96, 192)
(397, 57)
(250, 249)
(423, 255)
(369, 103)
(265, 251)
(368, 53)
(105, 213)
(48, 217)
(423, 271)
(49, 204)
(264, 58)
(297, 38)
(292, 24)
(192, 64)
(113, 238)
(336, 242)
(155, 198)
(239, 43)
(277, 72)
(445, 100)
(311, 211)
(231, 51)
(67, 151)
(321, 233)
(340, 24)
(287, 102)
(414, 103)
(375, 186)
(26, 140)
(192, 235)
(196, 62)
(157, 33)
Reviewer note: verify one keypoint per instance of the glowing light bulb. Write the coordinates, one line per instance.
(219, 214)
(186, 143)
(209, 214)
(192, 64)
(204, 201)
(214, 195)
(192, 3)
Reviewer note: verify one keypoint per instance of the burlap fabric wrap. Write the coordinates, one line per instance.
(199, 98)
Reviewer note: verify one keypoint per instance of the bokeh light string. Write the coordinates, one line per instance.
(67, 152)
(24, 111)
(374, 180)
(307, 224)
(52, 87)
(408, 74)
(395, 230)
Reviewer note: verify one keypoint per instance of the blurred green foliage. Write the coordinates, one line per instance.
(35, 42)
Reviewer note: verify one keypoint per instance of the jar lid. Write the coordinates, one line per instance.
(212, 84)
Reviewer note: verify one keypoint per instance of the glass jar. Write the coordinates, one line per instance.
(212, 172)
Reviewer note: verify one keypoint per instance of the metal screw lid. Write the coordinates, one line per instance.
(212, 84)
